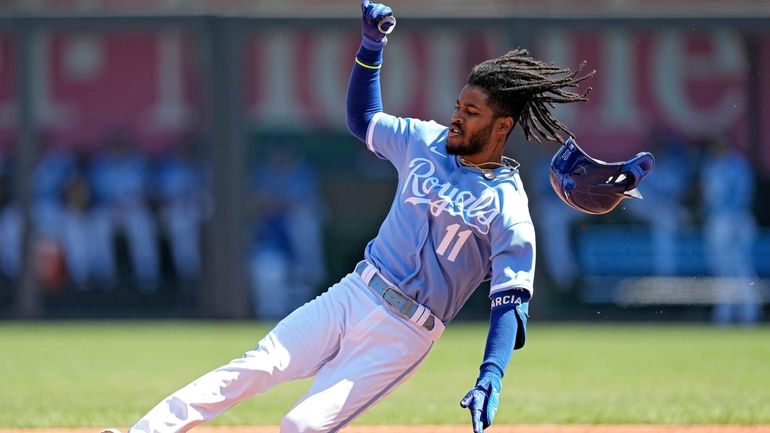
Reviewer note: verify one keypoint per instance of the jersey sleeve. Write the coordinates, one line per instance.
(389, 137)
(513, 258)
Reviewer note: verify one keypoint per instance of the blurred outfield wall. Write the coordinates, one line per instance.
(693, 78)
(68, 79)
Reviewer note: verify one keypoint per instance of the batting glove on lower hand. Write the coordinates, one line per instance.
(372, 31)
(482, 401)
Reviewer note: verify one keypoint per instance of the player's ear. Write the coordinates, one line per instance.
(505, 124)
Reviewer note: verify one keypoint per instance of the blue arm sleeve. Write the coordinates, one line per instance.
(507, 331)
(364, 99)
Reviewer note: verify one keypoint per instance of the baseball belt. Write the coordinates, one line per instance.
(406, 306)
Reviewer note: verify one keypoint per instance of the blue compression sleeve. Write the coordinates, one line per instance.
(507, 330)
(364, 99)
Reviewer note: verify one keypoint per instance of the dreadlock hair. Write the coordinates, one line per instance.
(526, 89)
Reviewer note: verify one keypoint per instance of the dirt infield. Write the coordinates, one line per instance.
(466, 429)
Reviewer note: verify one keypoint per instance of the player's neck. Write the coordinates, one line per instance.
(485, 159)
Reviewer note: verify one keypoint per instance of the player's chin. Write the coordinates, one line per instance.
(455, 144)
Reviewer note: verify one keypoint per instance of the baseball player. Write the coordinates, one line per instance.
(459, 218)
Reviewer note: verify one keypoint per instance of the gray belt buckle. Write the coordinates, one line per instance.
(395, 299)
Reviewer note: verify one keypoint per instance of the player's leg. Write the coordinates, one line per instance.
(379, 352)
(295, 348)
(182, 220)
(76, 246)
(749, 308)
(664, 229)
(10, 238)
(557, 241)
(270, 278)
(103, 233)
(140, 234)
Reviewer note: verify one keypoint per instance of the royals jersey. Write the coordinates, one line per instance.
(449, 228)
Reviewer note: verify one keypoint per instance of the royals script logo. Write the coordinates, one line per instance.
(422, 188)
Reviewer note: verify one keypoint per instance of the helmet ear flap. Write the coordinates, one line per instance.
(639, 167)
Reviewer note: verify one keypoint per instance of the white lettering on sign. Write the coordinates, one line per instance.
(400, 77)
(675, 69)
(170, 112)
(279, 105)
(556, 47)
(47, 110)
(83, 57)
(688, 81)
(620, 110)
(445, 71)
(326, 86)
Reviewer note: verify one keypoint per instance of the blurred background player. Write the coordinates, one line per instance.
(11, 225)
(727, 186)
(555, 223)
(77, 234)
(665, 193)
(180, 185)
(286, 258)
(119, 180)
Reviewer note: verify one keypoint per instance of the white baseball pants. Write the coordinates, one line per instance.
(357, 348)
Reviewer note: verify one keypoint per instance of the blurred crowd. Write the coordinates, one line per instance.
(100, 217)
(84, 200)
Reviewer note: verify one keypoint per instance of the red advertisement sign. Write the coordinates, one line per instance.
(688, 81)
(7, 91)
(87, 84)
(765, 108)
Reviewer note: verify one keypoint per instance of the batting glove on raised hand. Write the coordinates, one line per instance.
(377, 22)
(482, 401)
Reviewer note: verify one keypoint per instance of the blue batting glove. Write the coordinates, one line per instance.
(373, 13)
(482, 401)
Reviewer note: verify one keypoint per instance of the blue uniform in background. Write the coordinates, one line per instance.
(730, 229)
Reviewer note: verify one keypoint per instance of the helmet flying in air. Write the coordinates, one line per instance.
(593, 186)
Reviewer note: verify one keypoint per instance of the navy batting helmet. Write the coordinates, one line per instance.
(593, 186)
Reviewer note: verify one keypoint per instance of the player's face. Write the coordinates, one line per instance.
(471, 124)
(476, 143)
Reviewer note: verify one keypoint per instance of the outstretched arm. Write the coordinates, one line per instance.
(507, 331)
(364, 99)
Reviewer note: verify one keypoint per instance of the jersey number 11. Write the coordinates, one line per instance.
(451, 233)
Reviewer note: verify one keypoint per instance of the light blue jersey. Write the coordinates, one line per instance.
(449, 228)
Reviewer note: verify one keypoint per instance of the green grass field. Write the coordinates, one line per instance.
(95, 374)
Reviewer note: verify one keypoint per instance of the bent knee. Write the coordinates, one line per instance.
(303, 423)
